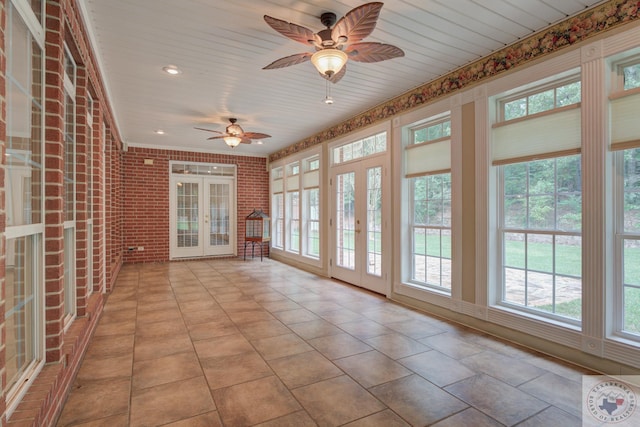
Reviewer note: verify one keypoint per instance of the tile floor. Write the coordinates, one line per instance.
(250, 343)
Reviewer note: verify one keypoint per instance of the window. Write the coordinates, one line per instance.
(540, 202)
(427, 167)
(69, 193)
(361, 148)
(24, 189)
(277, 208)
(311, 200)
(625, 142)
(541, 100)
(295, 207)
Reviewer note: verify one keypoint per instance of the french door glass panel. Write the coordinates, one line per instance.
(345, 222)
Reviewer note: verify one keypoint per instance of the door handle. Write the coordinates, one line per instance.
(357, 230)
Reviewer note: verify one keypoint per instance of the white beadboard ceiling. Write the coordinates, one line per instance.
(221, 47)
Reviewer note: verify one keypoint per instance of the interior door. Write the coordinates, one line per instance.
(358, 225)
(202, 217)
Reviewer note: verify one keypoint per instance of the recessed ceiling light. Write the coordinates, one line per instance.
(159, 131)
(171, 69)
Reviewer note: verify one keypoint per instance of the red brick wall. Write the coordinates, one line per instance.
(146, 197)
(3, 213)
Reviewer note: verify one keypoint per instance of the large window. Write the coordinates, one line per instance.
(295, 207)
(428, 163)
(625, 141)
(23, 183)
(69, 187)
(277, 208)
(540, 201)
(311, 204)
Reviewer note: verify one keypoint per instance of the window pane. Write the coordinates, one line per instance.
(631, 274)
(568, 94)
(23, 262)
(540, 252)
(514, 250)
(569, 255)
(632, 76)
(515, 109)
(632, 310)
(632, 190)
(540, 102)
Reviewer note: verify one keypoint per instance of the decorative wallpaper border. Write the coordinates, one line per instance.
(579, 28)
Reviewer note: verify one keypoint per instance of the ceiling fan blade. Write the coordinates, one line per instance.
(357, 24)
(293, 31)
(373, 52)
(287, 61)
(256, 135)
(208, 130)
(245, 140)
(337, 76)
(216, 137)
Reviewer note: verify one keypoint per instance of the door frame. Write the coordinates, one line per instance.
(362, 279)
(204, 249)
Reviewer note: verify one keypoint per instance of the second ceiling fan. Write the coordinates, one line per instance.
(334, 46)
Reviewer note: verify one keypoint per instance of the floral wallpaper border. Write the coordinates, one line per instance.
(579, 28)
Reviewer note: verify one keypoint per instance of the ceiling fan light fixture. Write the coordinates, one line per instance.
(329, 61)
(232, 141)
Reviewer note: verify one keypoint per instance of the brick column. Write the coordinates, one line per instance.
(3, 216)
(54, 181)
(98, 170)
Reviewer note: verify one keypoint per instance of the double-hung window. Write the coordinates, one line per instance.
(536, 153)
(292, 208)
(277, 207)
(625, 143)
(23, 287)
(428, 168)
(311, 203)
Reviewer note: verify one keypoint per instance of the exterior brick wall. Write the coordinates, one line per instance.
(146, 197)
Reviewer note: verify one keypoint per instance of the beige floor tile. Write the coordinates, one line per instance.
(396, 345)
(210, 419)
(372, 368)
(115, 420)
(227, 345)
(96, 400)
(107, 328)
(340, 316)
(160, 329)
(280, 305)
(155, 347)
(415, 328)
(470, 417)
(504, 368)
(364, 329)
(170, 402)
(337, 401)
(315, 329)
(254, 402)
(244, 317)
(295, 316)
(96, 369)
(280, 346)
(263, 329)
(225, 371)
(557, 390)
(319, 307)
(437, 367)
(296, 419)
(451, 346)
(163, 370)
(169, 303)
(339, 345)
(219, 328)
(386, 418)
(418, 401)
(304, 369)
(484, 393)
(203, 316)
(110, 346)
(552, 416)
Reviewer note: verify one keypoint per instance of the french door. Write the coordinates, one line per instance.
(358, 224)
(202, 216)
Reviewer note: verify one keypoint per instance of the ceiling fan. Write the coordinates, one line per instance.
(334, 46)
(234, 135)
